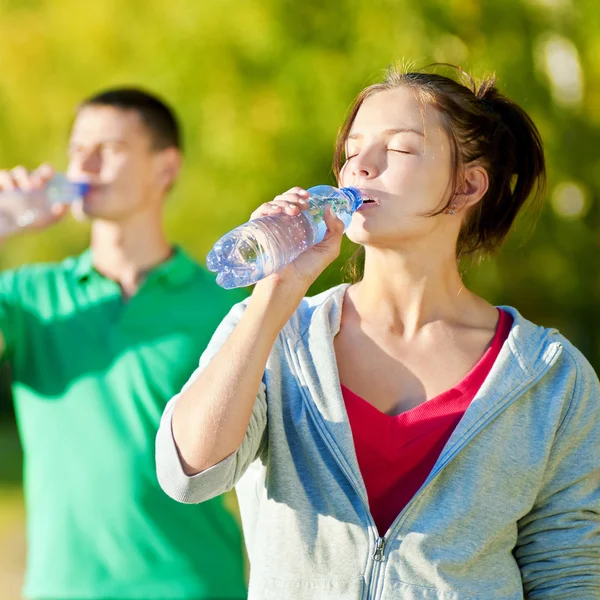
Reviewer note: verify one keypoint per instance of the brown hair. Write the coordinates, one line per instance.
(482, 125)
(158, 117)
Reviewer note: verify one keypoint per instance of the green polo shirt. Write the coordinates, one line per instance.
(91, 376)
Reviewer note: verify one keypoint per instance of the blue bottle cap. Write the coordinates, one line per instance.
(355, 195)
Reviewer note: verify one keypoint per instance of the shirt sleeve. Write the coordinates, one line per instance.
(225, 474)
(8, 317)
(558, 547)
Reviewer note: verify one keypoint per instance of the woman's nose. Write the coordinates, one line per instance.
(364, 165)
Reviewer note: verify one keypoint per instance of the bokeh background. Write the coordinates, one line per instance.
(261, 87)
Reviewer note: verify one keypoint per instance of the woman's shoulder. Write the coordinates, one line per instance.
(535, 346)
(321, 310)
(334, 295)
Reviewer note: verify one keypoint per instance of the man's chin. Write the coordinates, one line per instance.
(79, 212)
(86, 212)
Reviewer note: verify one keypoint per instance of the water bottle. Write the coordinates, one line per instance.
(262, 246)
(19, 208)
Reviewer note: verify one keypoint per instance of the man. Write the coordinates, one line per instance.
(97, 345)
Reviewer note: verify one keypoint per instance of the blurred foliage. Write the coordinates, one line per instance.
(261, 87)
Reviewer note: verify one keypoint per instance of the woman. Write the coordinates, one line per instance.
(401, 437)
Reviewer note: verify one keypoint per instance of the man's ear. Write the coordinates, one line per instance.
(170, 160)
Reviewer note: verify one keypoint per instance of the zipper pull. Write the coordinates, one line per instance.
(379, 549)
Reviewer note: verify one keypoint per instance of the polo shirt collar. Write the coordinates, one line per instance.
(83, 266)
(176, 270)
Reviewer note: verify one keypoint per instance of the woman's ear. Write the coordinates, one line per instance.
(474, 186)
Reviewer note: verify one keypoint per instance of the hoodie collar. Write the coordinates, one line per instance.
(527, 354)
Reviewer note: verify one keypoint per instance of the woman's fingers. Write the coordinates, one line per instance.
(335, 226)
(291, 203)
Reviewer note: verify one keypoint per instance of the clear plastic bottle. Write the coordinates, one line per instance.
(19, 208)
(262, 246)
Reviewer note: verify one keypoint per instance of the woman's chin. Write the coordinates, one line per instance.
(358, 233)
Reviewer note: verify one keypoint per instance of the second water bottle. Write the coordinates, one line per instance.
(262, 246)
(20, 209)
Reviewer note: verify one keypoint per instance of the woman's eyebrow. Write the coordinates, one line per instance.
(394, 131)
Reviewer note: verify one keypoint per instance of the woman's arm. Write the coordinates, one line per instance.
(212, 430)
(558, 548)
(211, 416)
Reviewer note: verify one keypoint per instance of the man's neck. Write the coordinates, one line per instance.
(125, 253)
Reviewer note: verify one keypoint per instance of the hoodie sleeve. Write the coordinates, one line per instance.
(558, 548)
(225, 474)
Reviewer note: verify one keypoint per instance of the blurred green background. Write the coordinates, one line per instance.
(261, 87)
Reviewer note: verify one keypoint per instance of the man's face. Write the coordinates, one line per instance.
(111, 149)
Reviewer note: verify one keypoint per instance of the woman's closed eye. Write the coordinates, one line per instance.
(397, 150)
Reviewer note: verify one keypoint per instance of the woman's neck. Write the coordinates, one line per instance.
(404, 291)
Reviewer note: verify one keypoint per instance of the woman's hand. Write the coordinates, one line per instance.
(304, 270)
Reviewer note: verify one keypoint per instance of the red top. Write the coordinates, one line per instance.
(396, 453)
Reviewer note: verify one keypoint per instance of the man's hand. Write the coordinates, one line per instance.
(13, 204)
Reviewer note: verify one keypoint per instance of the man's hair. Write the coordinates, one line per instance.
(157, 116)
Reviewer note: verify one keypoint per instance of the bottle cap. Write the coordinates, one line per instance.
(64, 191)
(355, 195)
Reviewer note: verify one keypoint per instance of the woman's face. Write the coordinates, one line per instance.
(398, 154)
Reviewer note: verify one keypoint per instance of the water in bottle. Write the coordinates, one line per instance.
(262, 246)
(19, 208)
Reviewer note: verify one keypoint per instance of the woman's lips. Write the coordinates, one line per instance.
(368, 203)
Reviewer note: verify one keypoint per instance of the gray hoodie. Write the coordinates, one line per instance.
(511, 509)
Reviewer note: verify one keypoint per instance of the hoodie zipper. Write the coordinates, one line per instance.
(379, 550)
(374, 565)
(378, 556)
(378, 559)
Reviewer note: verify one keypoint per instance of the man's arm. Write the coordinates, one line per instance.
(7, 314)
(20, 179)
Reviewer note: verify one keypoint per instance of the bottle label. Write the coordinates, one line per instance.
(317, 206)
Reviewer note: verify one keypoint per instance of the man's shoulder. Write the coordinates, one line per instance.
(202, 292)
(199, 282)
(36, 274)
